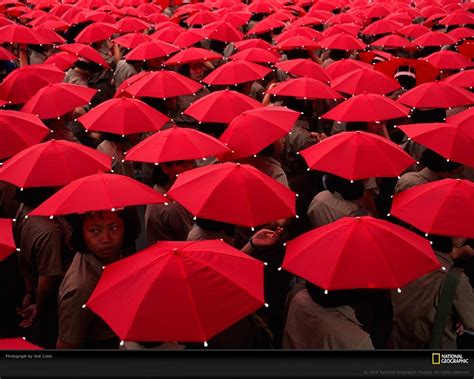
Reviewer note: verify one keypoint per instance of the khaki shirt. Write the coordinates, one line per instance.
(119, 167)
(167, 222)
(198, 234)
(312, 326)
(184, 101)
(123, 71)
(79, 325)
(415, 308)
(268, 165)
(328, 207)
(411, 179)
(73, 77)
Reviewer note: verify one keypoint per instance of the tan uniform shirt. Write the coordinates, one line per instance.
(328, 207)
(198, 234)
(411, 179)
(269, 166)
(415, 308)
(184, 101)
(167, 222)
(119, 167)
(123, 71)
(73, 77)
(312, 326)
(79, 325)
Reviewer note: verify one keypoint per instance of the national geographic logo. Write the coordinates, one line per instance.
(438, 359)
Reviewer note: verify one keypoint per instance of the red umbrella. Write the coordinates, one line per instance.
(221, 106)
(163, 84)
(342, 42)
(236, 72)
(123, 116)
(222, 31)
(357, 155)
(5, 55)
(441, 207)
(55, 100)
(344, 66)
(16, 33)
(17, 344)
(461, 33)
(98, 31)
(48, 36)
(168, 34)
(425, 71)
(193, 54)
(392, 41)
(304, 67)
(252, 42)
(298, 42)
(457, 18)
(133, 295)
(98, 192)
(189, 37)
(18, 131)
(463, 79)
(132, 40)
(61, 60)
(299, 32)
(359, 252)
(150, 50)
(448, 60)
(52, 164)
(254, 130)
(381, 27)
(256, 198)
(7, 244)
(266, 25)
(262, 7)
(21, 84)
(121, 90)
(304, 88)
(467, 49)
(351, 29)
(367, 108)
(202, 18)
(86, 52)
(257, 55)
(434, 39)
(452, 141)
(176, 144)
(131, 24)
(436, 95)
(365, 81)
(414, 30)
(237, 19)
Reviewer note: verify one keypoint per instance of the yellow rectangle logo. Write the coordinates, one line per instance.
(436, 359)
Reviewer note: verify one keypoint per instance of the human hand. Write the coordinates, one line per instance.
(266, 237)
(28, 314)
(318, 137)
(459, 328)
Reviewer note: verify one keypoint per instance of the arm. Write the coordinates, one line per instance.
(267, 98)
(262, 238)
(23, 57)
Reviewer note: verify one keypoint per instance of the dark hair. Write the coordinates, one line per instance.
(441, 243)
(33, 197)
(214, 129)
(349, 191)
(92, 67)
(112, 137)
(354, 126)
(428, 115)
(333, 298)
(74, 30)
(337, 55)
(217, 46)
(407, 82)
(215, 226)
(437, 163)
(297, 53)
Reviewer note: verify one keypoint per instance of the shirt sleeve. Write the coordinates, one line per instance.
(74, 320)
(180, 221)
(48, 254)
(464, 303)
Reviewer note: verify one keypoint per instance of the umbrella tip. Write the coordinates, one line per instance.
(399, 290)
(83, 306)
(325, 292)
(122, 343)
(266, 305)
(206, 344)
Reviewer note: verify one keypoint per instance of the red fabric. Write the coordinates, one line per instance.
(424, 71)
(150, 50)
(84, 51)
(235, 72)
(448, 60)
(304, 67)
(436, 95)
(193, 54)
(98, 31)
(304, 88)
(7, 244)
(17, 344)
(365, 81)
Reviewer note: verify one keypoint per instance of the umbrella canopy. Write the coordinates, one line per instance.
(297, 42)
(163, 84)
(189, 38)
(131, 24)
(440, 208)
(344, 66)
(222, 31)
(434, 39)
(98, 192)
(436, 95)
(21, 84)
(449, 60)
(392, 41)
(304, 88)
(452, 141)
(381, 27)
(16, 33)
(18, 131)
(342, 41)
(176, 144)
(357, 155)
(7, 244)
(252, 42)
(367, 107)
(127, 83)
(359, 252)
(132, 40)
(304, 67)
(256, 198)
(55, 100)
(363, 80)
(235, 72)
(425, 71)
(221, 106)
(84, 51)
(53, 163)
(151, 50)
(413, 30)
(193, 54)
(463, 79)
(17, 344)
(5, 55)
(95, 32)
(254, 130)
(257, 55)
(133, 295)
(464, 118)
(62, 60)
(123, 116)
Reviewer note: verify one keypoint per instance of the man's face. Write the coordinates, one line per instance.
(103, 234)
(196, 71)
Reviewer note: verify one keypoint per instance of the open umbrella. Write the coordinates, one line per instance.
(221, 106)
(434, 39)
(364, 81)
(222, 31)
(452, 141)
(5, 55)
(53, 163)
(150, 50)
(392, 41)
(381, 27)
(344, 66)
(162, 84)
(17, 344)
(21, 84)
(234, 193)
(367, 107)
(342, 42)
(85, 51)
(98, 192)
(95, 32)
(189, 38)
(16, 33)
(425, 71)
(193, 54)
(131, 24)
(7, 244)
(133, 295)
(235, 72)
(123, 116)
(464, 118)
(359, 252)
(256, 55)
(132, 40)
(464, 79)
(62, 60)
(176, 144)
(55, 100)
(297, 42)
(436, 95)
(448, 60)
(253, 130)
(440, 208)
(413, 30)
(304, 88)
(252, 42)
(304, 67)
(357, 155)
(18, 131)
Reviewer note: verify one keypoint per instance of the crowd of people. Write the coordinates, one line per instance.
(59, 263)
